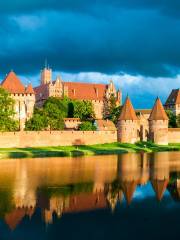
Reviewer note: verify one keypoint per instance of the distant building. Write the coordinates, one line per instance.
(173, 102)
(71, 123)
(105, 125)
(98, 94)
(138, 126)
(24, 97)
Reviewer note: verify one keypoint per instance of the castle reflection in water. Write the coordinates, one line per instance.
(72, 185)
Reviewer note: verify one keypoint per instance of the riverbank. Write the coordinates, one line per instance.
(99, 149)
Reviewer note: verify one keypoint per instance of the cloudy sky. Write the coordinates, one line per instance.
(134, 42)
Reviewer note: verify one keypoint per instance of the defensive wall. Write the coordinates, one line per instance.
(55, 138)
(174, 135)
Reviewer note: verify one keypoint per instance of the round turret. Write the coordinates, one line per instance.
(158, 124)
(128, 127)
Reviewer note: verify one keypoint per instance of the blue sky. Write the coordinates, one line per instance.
(134, 42)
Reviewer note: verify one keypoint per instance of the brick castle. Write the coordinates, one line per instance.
(133, 125)
(27, 97)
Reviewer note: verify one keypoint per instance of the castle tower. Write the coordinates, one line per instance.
(128, 130)
(24, 98)
(158, 124)
(46, 75)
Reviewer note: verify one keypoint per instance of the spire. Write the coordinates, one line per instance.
(128, 112)
(128, 190)
(159, 187)
(30, 89)
(158, 112)
(13, 84)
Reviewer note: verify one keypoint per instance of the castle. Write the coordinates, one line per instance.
(27, 97)
(173, 102)
(133, 125)
(23, 96)
(98, 94)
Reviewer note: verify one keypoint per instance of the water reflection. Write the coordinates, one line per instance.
(57, 187)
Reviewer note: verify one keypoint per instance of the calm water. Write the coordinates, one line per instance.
(100, 197)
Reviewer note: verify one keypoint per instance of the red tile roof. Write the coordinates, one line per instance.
(158, 112)
(174, 97)
(159, 187)
(128, 190)
(143, 111)
(30, 89)
(85, 91)
(76, 90)
(13, 84)
(128, 112)
(105, 125)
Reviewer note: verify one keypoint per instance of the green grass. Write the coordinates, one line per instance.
(100, 149)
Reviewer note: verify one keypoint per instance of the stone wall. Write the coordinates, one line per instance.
(55, 138)
(174, 135)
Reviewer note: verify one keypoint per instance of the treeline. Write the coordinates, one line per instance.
(174, 121)
(51, 115)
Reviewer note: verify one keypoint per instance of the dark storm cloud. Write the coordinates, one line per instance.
(137, 36)
(21, 6)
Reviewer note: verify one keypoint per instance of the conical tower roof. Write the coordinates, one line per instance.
(158, 112)
(128, 190)
(30, 89)
(159, 187)
(128, 112)
(13, 84)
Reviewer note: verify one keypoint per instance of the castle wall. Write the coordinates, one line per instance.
(174, 135)
(23, 107)
(128, 131)
(98, 107)
(55, 138)
(158, 131)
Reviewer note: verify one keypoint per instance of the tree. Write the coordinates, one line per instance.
(37, 123)
(115, 114)
(173, 121)
(87, 126)
(51, 115)
(113, 110)
(7, 122)
(56, 107)
(83, 110)
(111, 104)
(55, 110)
(178, 120)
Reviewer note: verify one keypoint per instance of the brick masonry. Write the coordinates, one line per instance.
(55, 138)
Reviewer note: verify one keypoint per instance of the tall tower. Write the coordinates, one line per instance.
(46, 75)
(158, 124)
(128, 130)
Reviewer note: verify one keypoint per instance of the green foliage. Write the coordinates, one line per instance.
(115, 113)
(51, 116)
(38, 122)
(87, 126)
(56, 108)
(6, 204)
(7, 123)
(66, 190)
(172, 119)
(113, 110)
(83, 110)
(178, 120)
